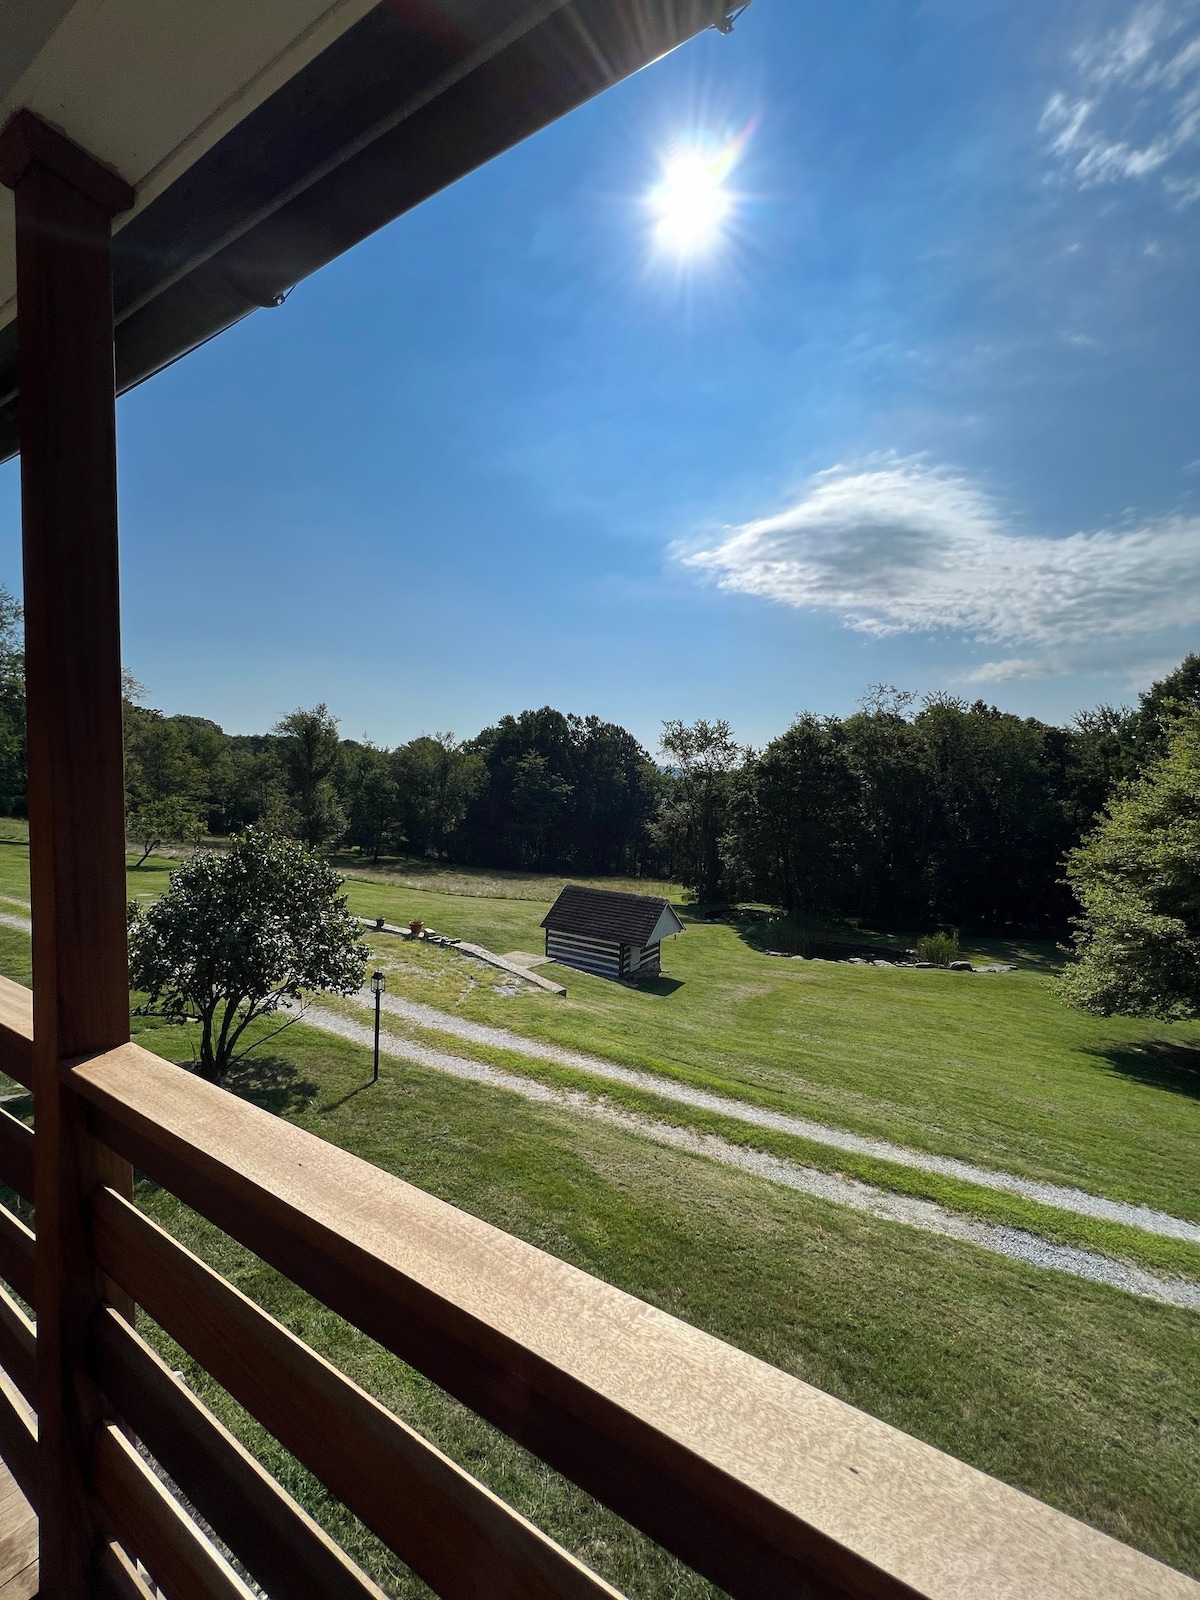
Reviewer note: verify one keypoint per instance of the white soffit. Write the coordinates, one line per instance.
(148, 86)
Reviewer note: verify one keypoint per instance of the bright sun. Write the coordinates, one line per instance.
(691, 203)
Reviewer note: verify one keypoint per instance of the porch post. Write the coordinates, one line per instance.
(65, 200)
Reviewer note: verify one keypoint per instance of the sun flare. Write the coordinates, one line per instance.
(692, 203)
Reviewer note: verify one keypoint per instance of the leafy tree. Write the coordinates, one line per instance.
(374, 800)
(159, 764)
(310, 754)
(692, 821)
(1137, 877)
(242, 935)
(12, 707)
(159, 822)
(1146, 731)
(795, 819)
(616, 790)
(540, 796)
(437, 778)
(250, 791)
(966, 810)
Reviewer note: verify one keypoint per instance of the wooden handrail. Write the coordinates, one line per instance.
(153, 1524)
(16, 1254)
(274, 1538)
(761, 1482)
(454, 1533)
(16, 1031)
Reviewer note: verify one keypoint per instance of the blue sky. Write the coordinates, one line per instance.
(928, 414)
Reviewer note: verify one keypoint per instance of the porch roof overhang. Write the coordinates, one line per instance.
(262, 141)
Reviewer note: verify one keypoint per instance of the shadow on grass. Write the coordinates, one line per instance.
(272, 1083)
(1159, 1062)
(659, 985)
(332, 1105)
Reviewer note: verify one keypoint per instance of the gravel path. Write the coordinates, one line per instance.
(1014, 1243)
(11, 921)
(1049, 1194)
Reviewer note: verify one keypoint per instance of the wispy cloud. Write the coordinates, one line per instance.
(899, 546)
(1133, 107)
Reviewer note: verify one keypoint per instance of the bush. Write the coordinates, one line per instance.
(939, 949)
(241, 935)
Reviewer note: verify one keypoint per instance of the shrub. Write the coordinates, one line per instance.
(939, 949)
(242, 935)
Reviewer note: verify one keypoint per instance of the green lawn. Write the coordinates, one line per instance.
(992, 1069)
(1083, 1395)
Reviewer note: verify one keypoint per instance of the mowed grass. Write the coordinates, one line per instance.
(1079, 1394)
(1083, 1396)
(989, 1068)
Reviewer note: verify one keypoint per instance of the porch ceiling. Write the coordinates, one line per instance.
(263, 140)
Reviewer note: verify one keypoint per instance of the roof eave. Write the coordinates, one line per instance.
(244, 251)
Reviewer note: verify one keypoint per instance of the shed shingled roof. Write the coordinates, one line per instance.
(607, 914)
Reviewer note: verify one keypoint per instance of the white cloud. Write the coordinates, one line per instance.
(1134, 107)
(898, 546)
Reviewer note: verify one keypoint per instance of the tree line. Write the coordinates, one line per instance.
(911, 811)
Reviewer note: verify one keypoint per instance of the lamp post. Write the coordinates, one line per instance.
(378, 985)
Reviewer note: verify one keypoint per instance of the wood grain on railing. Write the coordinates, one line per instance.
(18, 1438)
(16, 1155)
(152, 1525)
(16, 1254)
(763, 1483)
(464, 1541)
(16, 1031)
(276, 1541)
(18, 1347)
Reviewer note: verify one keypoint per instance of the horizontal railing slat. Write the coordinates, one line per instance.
(763, 1483)
(464, 1541)
(16, 1254)
(18, 1347)
(16, 1155)
(16, 1031)
(274, 1538)
(116, 1575)
(18, 1438)
(152, 1525)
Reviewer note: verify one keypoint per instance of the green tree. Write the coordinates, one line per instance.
(692, 820)
(310, 754)
(540, 797)
(1146, 731)
(437, 777)
(242, 935)
(159, 764)
(1137, 878)
(795, 820)
(12, 708)
(159, 822)
(374, 800)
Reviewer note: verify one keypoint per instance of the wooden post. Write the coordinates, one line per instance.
(65, 201)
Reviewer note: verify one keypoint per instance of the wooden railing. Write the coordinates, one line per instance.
(765, 1485)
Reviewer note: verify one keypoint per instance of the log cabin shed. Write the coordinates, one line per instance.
(168, 167)
(609, 933)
